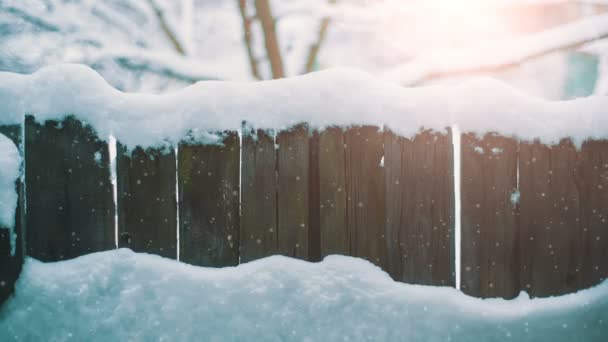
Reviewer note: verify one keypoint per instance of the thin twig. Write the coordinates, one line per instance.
(165, 27)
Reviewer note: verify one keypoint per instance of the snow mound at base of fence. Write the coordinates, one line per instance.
(10, 164)
(120, 295)
(340, 97)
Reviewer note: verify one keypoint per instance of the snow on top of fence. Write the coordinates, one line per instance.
(275, 298)
(10, 164)
(340, 97)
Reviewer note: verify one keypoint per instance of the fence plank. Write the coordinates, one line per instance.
(365, 194)
(549, 217)
(420, 208)
(10, 264)
(70, 207)
(147, 206)
(293, 201)
(314, 204)
(332, 193)
(208, 180)
(489, 211)
(259, 196)
(593, 180)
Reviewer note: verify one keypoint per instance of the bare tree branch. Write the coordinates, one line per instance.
(253, 63)
(502, 67)
(273, 51)
(314, 49)
(166, 29)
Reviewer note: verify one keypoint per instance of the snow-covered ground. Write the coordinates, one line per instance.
(123, 296)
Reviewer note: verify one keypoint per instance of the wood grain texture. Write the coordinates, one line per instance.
(293, 192)
(549, 217)
(420, 208)
(314, 205)
(70, 206)
(147, 205)
(489, 212)
(365, 195)
(332, 193)
(593, 187)
(259, 233)
(11, 263)
(208, 181)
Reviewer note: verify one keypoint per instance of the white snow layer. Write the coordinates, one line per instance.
(340, 97)
(123, 296)
(10, 169)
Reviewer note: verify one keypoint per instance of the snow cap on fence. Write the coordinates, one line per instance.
(341, 97)
(10, 166)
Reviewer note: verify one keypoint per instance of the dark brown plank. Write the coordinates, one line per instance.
(593, 180)
(365, 195)
(147, 206)
(208, 180)
(293, 201)
(259, 232)
(314, 204)
(10, 263)
(332, 193)
(549, 217)
(489, 216)
(420, 208)
(70, 206)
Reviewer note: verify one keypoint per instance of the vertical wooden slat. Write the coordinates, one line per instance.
(70, 206)
(293, 201)
(147, 208)
(332, 193)
(314, 205)
(593, 180)
(489, 211)
(420, 208)
(365, 196)
(549, 216)
(10, 264)
(258, 196)
(208, 180)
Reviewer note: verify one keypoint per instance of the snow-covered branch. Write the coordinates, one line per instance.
(500, 55)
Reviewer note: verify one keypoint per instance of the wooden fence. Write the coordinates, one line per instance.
(533, 217)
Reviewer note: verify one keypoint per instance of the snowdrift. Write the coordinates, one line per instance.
(340, 97)
(120, 295)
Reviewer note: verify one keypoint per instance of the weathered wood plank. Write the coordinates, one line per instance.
(10, 264)
(420, 208)
(489, 211)
(365, 195)
(314, 205)
(259, 234)
(208, 180)
(593, 180)
(147, 205)
(332, 193)
(70, 206)
(549, 218)
(293, 192)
